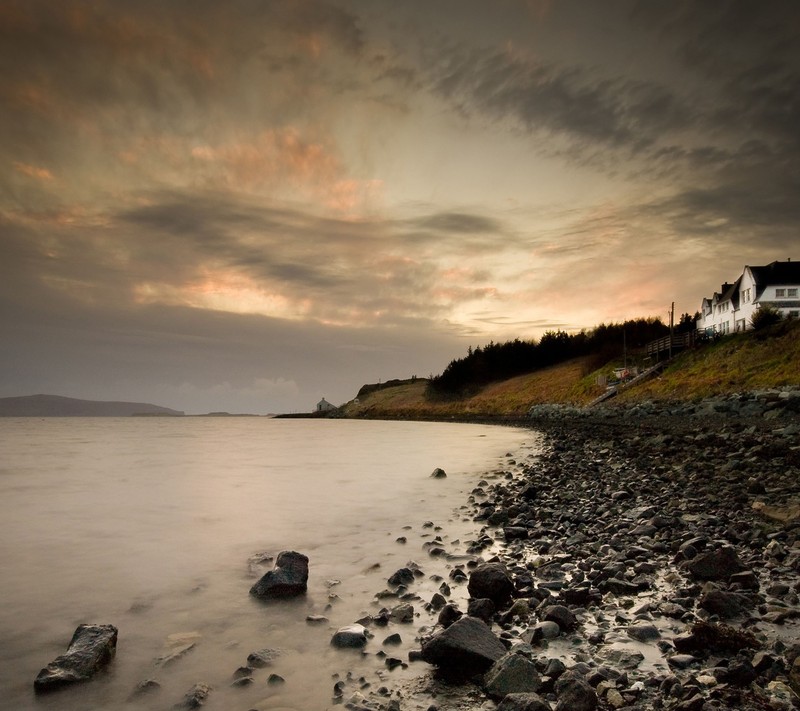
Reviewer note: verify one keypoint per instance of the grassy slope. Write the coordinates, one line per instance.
(734, 364)
(509, 398)
(738, 363)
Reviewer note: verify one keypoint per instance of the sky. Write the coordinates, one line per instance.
(246, 206)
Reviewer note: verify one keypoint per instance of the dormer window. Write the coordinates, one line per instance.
(791, 293)
(780, 293)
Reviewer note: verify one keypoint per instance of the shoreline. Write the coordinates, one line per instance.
(614, 522)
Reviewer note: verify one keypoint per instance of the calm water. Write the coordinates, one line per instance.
(148, 524)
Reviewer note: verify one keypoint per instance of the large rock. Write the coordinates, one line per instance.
(492, 581)
(575, 693)
(511, 674)
(92, 647)
(561, 615)
(289, 578)
(195, 697)
(353, 636)
(465, 648)
(719, 564)
(524, 702)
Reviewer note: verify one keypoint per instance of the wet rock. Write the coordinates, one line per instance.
(574, 693)
(541, 630)
(289, 578)
(403, 613)
(719, 564)
(681, 661)
(643, 632)
(146, 688)
(438, 601)
(195, 697)
(524, 702)
(262, 658)
(403, 576)
(483, 609)
(512, 673)
(449, 614)
(492, 581)
(561, 615)
(91, 648)
(739, 672)
(242, 672)
(438, 473)
(350, 636)
(275, 680)
(619, 587)
(465, 648)
(721, 603)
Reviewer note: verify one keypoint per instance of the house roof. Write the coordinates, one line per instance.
(776, 273)
(732, 293)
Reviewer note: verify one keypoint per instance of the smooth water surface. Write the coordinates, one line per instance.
(148, 524)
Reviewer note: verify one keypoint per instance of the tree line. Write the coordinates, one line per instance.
(500, 361)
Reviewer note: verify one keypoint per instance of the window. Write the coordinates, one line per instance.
(791, 293)
(780, 293)
(746, 295)
(794, 314)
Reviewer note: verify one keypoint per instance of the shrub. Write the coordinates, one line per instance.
(764, 317)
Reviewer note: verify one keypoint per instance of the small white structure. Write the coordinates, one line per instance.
(324, 406)
(731, 308)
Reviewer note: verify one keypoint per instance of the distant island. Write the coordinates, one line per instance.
(58, 406)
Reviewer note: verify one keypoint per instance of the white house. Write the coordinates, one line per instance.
(324, 406)
(731, 308)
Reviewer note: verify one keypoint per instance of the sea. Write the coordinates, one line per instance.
(160, 526)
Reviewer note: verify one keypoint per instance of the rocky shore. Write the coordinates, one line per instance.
(649, 558)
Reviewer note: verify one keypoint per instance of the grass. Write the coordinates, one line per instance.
(749, 361)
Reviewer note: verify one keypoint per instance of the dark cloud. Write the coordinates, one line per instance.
(461, 223)
(572, 101)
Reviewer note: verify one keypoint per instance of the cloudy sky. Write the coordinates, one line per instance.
(247, 205)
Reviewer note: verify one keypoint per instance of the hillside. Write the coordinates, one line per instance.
(57, 406)
(743, 362)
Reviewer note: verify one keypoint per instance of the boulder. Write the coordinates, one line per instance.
(523, 702)
(722, 603)
(492, 581)
(561, 615)
(354, 636)
(643, 632)
(438, 474)
(262, 658)
(403, 576)
(574, 693)
(483, 609)
(289, 578)
(449, 614)
(794, 676)
(465, 648)
(195, 697)
(718, 564)
(92, 647)
(512, 673)
(403, 612)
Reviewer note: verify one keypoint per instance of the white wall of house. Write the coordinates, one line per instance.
(748, 303)
(784, 297)
(717, 314)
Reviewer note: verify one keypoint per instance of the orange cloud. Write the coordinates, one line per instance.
(33, 171)
(278, 159)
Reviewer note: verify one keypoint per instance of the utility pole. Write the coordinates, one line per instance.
(671, 327)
